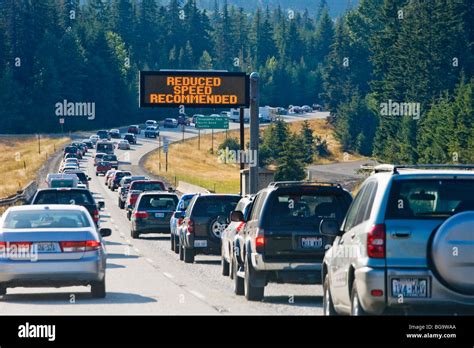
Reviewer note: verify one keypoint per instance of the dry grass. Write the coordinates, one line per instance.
(18, 153)
(200, 167)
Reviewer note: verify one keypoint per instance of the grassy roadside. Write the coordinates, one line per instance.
(20, 160)
(200, 167)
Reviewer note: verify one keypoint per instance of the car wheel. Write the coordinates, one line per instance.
(3, 290)
(231, 267)
(356, 308)
(121, 204)
(252, 293)
(176, 244)
(188, 255)
(239, 286)
(225, 265)
(135, 234)
(129, 214)
(98, 289)
(218, 226)
(181, 252)
(328, 305)
(172, 242)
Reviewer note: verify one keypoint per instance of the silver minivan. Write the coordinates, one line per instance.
(405, 246)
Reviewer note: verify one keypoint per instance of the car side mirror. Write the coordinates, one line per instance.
(89, 178)
(171, 189)
(105, 232)
(329, 227)
(236, 216)
(101, 205)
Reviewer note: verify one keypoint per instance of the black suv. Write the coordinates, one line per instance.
(76, 196)
(131, 138)
(204, 221)
(281, 241)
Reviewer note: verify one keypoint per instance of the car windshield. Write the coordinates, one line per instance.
(214, 206)
(304, 209)
(429, 199)
(148, 186)
(39, 219)
(158, 202)
(82, 197)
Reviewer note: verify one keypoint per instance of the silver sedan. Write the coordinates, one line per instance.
(51, 246)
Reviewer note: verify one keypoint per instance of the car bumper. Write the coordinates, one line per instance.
(151, 228)
(260, 265)
(47, 273)
(211, 247)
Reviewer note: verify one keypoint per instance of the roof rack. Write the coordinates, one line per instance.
(395, 167)
(292, 183)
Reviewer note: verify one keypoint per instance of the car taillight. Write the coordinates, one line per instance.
(96, 215)
(140, 214)
(376, 242)
(74, 247)
(190, 226)
(260, 240)
(180, 221)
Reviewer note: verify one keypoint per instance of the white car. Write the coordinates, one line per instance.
(124, 145)
(94, 139)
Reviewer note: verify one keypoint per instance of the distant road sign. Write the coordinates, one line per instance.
(194, 89)
(61, 121)
(165, 146)
(208, 122)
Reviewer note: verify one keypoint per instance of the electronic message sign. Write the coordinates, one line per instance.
(194, 89)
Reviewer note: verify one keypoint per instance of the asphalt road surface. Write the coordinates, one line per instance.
(145, 277)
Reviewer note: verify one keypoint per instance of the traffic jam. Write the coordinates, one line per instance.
(400, 246)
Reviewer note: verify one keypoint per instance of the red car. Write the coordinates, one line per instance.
(134, 129)
(102, 168)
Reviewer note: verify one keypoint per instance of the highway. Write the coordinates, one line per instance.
(145, 277)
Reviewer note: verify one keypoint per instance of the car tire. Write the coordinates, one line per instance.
(231, 268)
(135, 234)
(176, 244)
(181, 253)
(129, 215)
(3, 290)
(121, 204)
(188, 255)
(98, 289)
(356, 308)
(239, 286)
(328, 305)
(252, 293)
(225, 266)
(172, 240)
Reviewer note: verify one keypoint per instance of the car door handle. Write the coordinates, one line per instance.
(353, 235)
(401, 234)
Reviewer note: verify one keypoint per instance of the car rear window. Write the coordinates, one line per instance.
(304, 209)
(147, 186)
(160, 202)
(46, 219)
(110, 158)
(214, 206)
(429, 198)
(82, 197)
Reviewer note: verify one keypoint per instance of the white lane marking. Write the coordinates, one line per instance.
(149, 260)
(122, 234)
(197, 294)
(136, 250)
(112, 220)
(168, 275)
(128, 241)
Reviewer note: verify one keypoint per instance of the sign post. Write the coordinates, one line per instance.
(242, 145)
(254, 127)
(165, 150)
(61, 122)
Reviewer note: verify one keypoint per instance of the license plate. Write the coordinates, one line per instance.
(200, 243)
(410, 287)
(311, 242)
(46, 247)
(160, 215)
